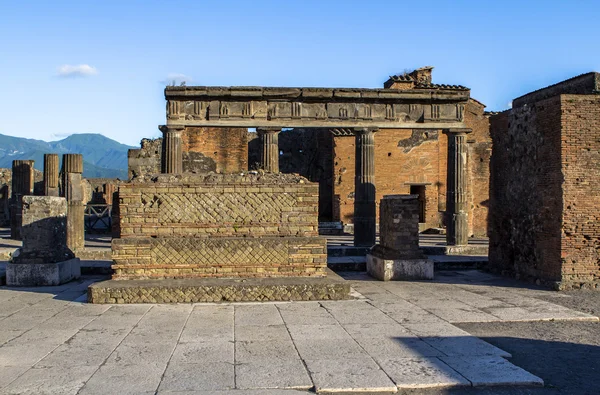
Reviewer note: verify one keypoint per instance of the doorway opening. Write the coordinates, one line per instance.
(420, 191)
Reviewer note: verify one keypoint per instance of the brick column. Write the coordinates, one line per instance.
(456, 189)
(22, 185)
(172, 159)
(72, 170)
(269, 154)
(364, 188)
(51, 175)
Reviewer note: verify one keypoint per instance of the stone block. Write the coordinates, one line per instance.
(42, 274)
(399, 269)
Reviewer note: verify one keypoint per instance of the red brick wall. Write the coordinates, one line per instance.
(580, 158)
(228, 147)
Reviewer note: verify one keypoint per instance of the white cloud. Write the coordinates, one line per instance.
(176, 79)
(80, 70)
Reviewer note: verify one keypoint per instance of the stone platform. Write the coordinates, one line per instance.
(42, 274)
(195, 290)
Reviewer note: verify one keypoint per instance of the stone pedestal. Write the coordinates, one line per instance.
(44, 258)
(364, 188)
(172, 157)
(22, 185)
(269, 154)
(397, 256)
(457, 230)
(51, 175)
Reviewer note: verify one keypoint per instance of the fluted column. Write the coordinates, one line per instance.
(364, 188)
(456, 189)
(22, 184)
(172, 159)
(269, 154)
(72, 170)
(51, 175)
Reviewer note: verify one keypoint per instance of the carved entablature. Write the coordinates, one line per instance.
(315, 107)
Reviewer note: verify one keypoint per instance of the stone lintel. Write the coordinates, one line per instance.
(171, 128)
(309, 123)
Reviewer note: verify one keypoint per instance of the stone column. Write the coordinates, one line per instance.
(51, 175)
(22, 185)
(73, 190)
(456, 188)
(172, 159)
(364, 188)
(269, 154)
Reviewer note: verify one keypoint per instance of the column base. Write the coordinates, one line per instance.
(42, 274)
(399, 269)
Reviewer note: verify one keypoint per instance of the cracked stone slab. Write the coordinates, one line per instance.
(421, 373)
(465, 346)
(348, 375)
(484, 371)
(198, 376)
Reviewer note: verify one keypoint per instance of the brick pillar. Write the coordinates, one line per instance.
(364, 188)
(22, 185)
(456, 189)
(269, 154)
(172, 159)
(51, 175)
(73, 190)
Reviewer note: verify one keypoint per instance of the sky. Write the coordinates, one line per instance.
(101, 66)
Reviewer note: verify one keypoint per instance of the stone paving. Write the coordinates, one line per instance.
(394, 335)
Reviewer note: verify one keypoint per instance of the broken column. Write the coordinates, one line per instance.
(73, 192)
(397, 256)
(269, 154)
(456, 190)
(172, 159)
(22, 185)
(51, 175)
(44, 259)
(364, 188)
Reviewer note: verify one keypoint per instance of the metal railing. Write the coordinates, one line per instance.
(98, 218)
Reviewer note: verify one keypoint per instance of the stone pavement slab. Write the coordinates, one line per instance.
(395, 336)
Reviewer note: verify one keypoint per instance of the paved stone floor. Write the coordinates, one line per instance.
(395, 335)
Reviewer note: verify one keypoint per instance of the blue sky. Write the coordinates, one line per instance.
(101, 66)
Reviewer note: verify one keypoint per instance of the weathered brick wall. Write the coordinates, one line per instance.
(218, 226)
(526, 191)
(580, 159)
(399, 227)
(222, 150)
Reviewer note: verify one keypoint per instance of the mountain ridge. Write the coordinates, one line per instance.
(102, 156)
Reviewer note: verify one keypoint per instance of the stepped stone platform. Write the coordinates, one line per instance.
(196, 290)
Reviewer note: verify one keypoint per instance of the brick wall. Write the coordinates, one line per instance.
(526, 198)
(222, 150)
(218, 226)
(580, 160)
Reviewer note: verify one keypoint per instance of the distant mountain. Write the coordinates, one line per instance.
(102, 157)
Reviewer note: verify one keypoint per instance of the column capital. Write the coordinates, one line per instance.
(263, 130)
(365, 130)
(171, 128)
(457, 131)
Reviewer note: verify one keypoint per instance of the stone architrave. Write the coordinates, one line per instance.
(397, 256)
(364, 188)
(22, 185)
(457, 231)
(269, 154)
(44, 259)
(51, 175)
(172, 157)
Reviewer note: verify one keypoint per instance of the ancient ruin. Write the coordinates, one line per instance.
(545, 186)
(397, 256)
(45, 258)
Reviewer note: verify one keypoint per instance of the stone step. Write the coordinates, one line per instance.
(347, 263)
